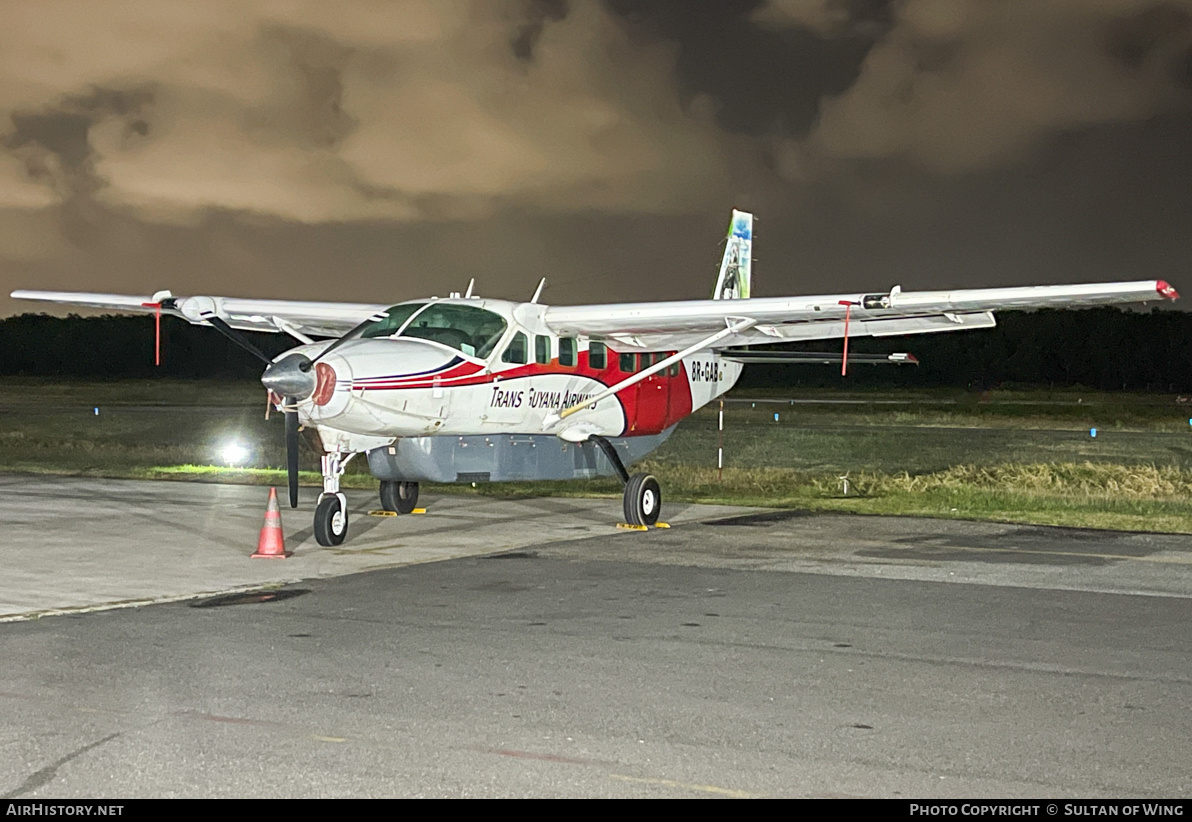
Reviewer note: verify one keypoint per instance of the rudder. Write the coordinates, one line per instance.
(735, 270)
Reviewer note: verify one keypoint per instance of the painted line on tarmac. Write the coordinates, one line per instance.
(141, 602)
(686, 786)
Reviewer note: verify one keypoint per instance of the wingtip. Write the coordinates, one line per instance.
(1166, 291)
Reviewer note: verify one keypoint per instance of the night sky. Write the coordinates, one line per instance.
(378, 151)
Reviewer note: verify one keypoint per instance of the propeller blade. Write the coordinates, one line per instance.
(329, 349)
(292, 455)
(375, 318)
(236, 337)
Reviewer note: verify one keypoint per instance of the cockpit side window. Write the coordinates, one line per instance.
(516, 351)
(466, 328)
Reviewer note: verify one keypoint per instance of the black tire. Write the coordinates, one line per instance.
(331, 523)
(643, 500)
(401, 497)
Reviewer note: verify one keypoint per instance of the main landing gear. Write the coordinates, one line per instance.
(642, 500)
(643, 494)
(400, 497)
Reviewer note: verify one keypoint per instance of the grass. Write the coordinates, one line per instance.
(1003, 456)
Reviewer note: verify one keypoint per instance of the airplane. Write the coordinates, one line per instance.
(468, 389)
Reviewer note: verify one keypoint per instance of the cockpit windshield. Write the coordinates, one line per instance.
(385, 323)
(467, 328)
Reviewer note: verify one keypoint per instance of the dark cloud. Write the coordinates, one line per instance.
(764, 78)
(306, 105)
(54, 143)
(1137, 38)
(538, 14)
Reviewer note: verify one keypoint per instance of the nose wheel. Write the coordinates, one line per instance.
(331, 515)
(401, 497)
(331, 521)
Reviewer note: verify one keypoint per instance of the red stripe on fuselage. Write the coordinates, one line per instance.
(453, 375)
(651, 406)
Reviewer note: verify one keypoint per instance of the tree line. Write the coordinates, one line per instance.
(1098, 348)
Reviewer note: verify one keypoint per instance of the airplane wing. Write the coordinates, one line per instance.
(669, 325)
(314, 318)
(758, 321)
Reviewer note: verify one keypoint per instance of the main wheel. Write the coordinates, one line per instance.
(401, 497)
(331, 521)
(643, 500)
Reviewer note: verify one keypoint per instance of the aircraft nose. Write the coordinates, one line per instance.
(291, 377)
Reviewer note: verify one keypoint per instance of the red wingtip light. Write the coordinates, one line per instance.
(1166, 291)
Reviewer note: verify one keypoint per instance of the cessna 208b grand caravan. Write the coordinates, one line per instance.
(470, 389)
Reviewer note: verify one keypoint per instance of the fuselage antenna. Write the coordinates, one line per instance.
(538, 290)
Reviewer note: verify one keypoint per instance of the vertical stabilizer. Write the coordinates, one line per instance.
(735, 271)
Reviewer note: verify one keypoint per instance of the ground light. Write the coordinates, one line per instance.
(233, 453)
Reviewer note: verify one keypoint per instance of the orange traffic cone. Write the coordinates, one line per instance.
(271, 544)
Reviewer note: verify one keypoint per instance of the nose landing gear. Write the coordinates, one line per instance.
(331, 521)
(331, 515)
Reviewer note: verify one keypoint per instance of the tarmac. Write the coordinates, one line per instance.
(78, 544)
(528, 648)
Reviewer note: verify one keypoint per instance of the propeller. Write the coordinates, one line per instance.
(292, 455)
(292, 378)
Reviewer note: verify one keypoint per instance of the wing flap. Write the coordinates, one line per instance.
(814, 357)
(951, 321)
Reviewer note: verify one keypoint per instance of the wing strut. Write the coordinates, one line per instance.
(735, 326)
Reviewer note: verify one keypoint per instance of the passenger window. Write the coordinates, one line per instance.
(628, 363)
(541, 349)
(673, 369)
(568, 349)
(516, 352)
(597, 356)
